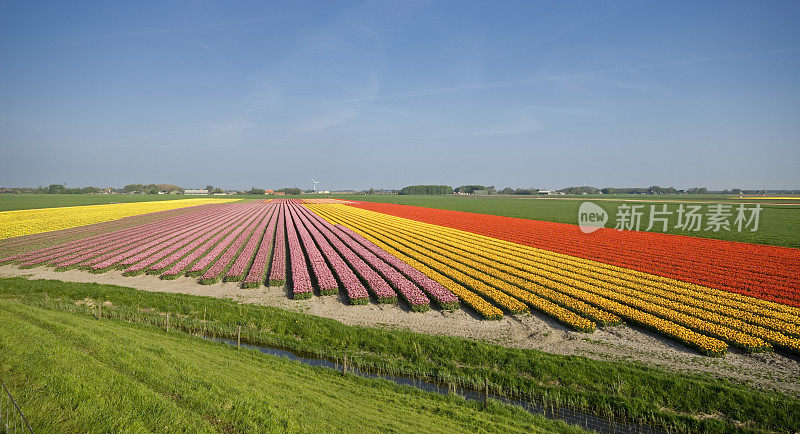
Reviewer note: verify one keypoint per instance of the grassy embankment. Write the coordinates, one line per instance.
(779, 225)
(625, 390)
(71, 373)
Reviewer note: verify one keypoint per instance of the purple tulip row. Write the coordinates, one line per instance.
(144, 260)
(325, 280)
(248, 255)
(441, 295)
(94, 246)
(229, 253)
(301, 280)
(356, 292)
(196, 250)
(277, 272)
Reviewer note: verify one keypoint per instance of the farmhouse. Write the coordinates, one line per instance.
(269, 191)
(189, 191)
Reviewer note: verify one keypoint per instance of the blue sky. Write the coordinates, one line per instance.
(386, 94)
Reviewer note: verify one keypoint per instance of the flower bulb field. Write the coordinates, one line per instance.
(704, 298)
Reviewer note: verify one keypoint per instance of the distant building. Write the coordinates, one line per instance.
(195, 192)
(280, 193)
(269, 191)
(546, 192)
(108, 190)
(480, 192)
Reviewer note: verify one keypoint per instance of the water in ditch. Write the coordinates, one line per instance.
(574, 417)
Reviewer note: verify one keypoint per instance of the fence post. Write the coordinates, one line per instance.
(167, 322)
(238, 336)
(485, 393)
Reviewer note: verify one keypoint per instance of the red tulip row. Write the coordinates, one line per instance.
(263, 234)
(766, 272)
(277, 272)
(301, 280)
(356, 292)
(438, 293)
(220, 266)
(326, 282)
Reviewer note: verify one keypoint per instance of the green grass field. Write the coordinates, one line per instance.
(10, 202)
(779, 225)
(72, 373)
(625, 390)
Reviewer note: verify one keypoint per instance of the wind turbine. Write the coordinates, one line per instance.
(315, 184)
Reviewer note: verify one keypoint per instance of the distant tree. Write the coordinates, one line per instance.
(736, 191)
(210, 188)
(492, 190)
(87, 190)
(607, 190)
(469, 189)
(256, 190)
(371, 191)
(217, 191)
(427, 189)
(56, 189)
(507, 190)
(291, 190)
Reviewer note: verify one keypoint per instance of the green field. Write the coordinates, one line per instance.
(174, 372)
(10, 202)
(779, 225)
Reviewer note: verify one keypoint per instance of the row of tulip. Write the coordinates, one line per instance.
(228, 244)
(380, 288)
(200, 252)
(30, 221)
(354, 288)
(464, 263)
(428, 241)
(69, 254)
(444, 268)
(277, 271)
(143, 248)
(232, 252)
(767, 272)
(249, 255)
(324, 276)
(299, 275)
(146, 259)
(769, 328)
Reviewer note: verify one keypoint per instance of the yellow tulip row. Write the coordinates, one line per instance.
(427, 235)
(33, 221)
(483, 307)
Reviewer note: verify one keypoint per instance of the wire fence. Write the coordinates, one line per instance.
(13, 421)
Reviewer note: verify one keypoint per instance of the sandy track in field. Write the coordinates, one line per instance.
(769, 371)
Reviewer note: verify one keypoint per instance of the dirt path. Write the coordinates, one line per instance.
(769, 371)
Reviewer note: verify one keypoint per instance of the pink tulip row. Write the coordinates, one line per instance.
(325, 280)
(376, 284)
(356, 292)
(215, 271)
(277, 272)
(87, 248)
(133, 245)
(142, 261)
(70, 247)
(263, 232)
(301, 280)
(405, 288)
(441, 295)
(102, 226)
(197, 249)
(226, 243)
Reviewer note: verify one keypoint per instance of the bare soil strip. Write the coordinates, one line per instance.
(773, 371)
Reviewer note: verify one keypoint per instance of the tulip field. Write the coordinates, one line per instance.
(705, 294)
